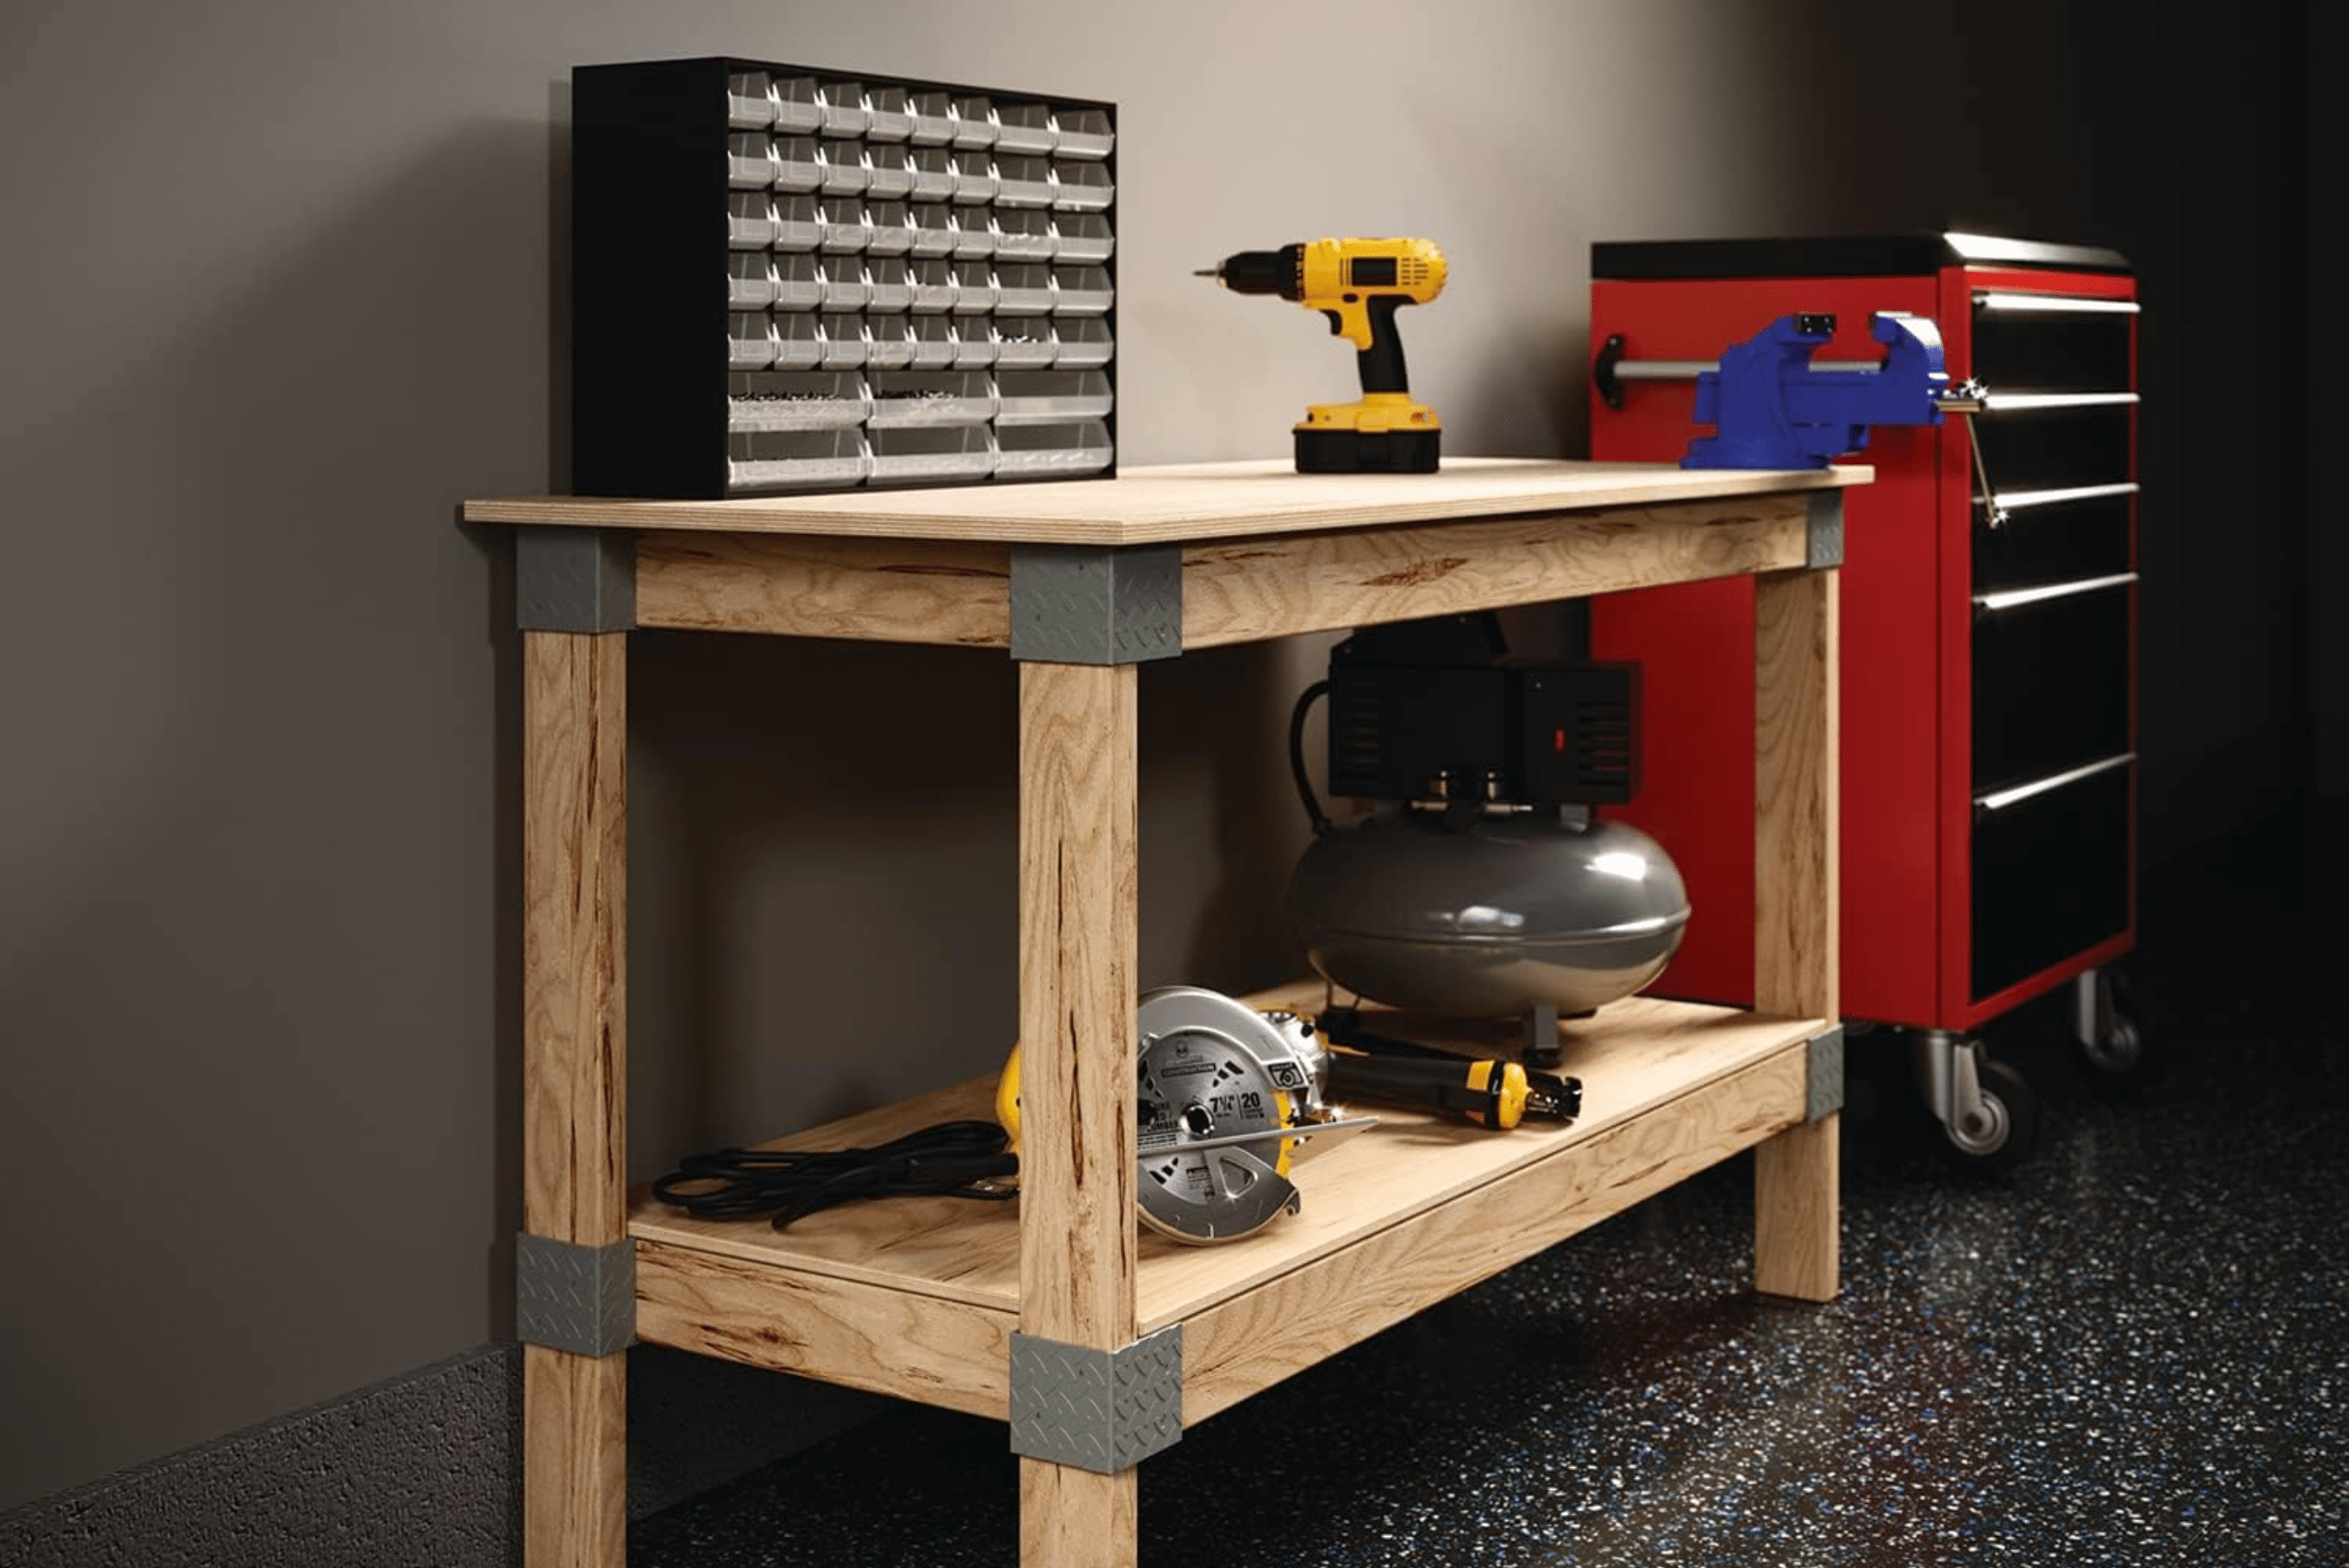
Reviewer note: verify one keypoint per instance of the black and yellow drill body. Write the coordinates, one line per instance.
(1358, 285)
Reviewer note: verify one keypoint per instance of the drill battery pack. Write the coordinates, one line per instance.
(1341, 450)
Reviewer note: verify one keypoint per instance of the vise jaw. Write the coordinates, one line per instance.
(1771, 407)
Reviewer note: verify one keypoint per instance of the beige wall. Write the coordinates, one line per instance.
(275, 294)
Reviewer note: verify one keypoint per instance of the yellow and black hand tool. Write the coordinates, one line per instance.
(1488, 1091)
(1358, 285)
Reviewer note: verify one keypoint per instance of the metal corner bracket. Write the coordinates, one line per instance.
(1096, 604)
(575, 579)
(1824, 1094)
(568, 1296)
(1100, 1410)
(1823, 545)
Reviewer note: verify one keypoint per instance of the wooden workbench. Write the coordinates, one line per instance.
(922, 1298)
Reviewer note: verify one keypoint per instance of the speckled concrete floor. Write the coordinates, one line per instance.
(2133, 1351)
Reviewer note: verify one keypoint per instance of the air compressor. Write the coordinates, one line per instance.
(1482, 883)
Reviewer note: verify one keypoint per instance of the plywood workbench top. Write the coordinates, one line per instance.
(1178, 503)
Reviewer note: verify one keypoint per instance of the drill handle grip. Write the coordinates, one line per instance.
(1381, 364)
(1442, 1085)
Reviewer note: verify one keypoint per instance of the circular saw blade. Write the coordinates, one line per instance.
(1211, 1071)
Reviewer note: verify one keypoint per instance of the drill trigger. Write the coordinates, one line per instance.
(1336, 325)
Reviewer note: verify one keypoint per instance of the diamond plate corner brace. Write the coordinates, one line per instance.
(575, 579)
(1824, 1094)
(1100, 1410)
(573, 1298)
(1096, 604)
(1823, 545)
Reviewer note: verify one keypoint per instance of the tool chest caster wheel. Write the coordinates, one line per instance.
(2005, 1125)
(1986, 1108)
(2119, 1050)
(2108, 1038)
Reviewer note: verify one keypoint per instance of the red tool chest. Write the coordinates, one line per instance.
(1989, 734)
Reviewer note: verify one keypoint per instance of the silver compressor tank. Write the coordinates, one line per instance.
(1488, 918)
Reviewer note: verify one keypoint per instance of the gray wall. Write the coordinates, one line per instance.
(280, 287)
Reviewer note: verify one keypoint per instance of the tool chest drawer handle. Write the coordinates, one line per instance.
(2069, 303)
(1999, 800)
(2023, 500)
(2013, 598)
(2018, 402)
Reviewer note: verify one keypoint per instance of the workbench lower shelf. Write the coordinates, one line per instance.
(918, 1297)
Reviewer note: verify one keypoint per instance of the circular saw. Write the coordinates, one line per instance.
(1224, 1094)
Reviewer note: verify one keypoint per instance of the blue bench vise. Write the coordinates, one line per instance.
(1771, 407)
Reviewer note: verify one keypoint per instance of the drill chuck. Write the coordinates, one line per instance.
(1280, 272)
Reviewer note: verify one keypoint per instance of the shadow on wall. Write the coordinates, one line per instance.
(258, 921)
(824, 868)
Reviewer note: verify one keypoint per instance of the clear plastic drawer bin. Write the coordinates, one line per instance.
(749, 220)
(795, 400)
(1051, 396)
(1082, 342)
(1082, 186)
(1023, 288)
(1024, 342)
(845, 226)
(798, 221)
(932, 454)
(844, 111)
(795, 460)
(1024, 235)
(1082, 237)
(1081, 291)
(796, 167)
(1024, 127)
(1027, 450)
(888, 340)
(903, 398)
(1083, 133)
(750, 101)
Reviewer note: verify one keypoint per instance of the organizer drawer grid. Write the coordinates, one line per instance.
(918, 284)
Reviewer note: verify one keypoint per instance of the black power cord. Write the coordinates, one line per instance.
(1313, 811)
(960, 1159)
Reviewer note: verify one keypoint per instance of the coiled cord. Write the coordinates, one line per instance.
(1313, 812)
(959, 1159)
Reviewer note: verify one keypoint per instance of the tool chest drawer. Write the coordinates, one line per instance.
(2043, 342)
(2055, 536)
(732, 217)
(2051, 873)
(2051, 680)
(2029, 445)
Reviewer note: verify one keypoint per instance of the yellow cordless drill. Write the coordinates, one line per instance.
(1358, 285)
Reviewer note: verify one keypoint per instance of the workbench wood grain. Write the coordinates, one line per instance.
(1798, 1204)
(1402, 1209)
(1178, 504)
(574, 935)
(958, 592)
(862, 1336)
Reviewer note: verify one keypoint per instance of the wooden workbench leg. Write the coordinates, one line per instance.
(575, 1073)
(1078, 782)
(1796, 1198)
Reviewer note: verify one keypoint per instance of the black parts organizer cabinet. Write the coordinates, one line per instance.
(917, 281)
